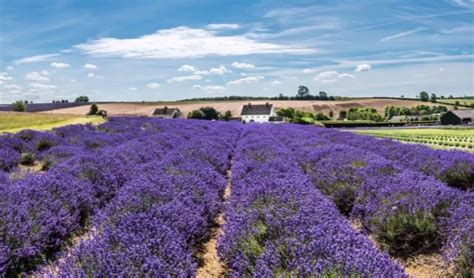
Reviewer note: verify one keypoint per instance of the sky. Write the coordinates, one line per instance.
(175, 49)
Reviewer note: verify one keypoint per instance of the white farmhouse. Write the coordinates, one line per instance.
(257, 113)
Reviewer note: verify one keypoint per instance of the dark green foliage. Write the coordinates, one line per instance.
(20, 106)
(27, 159)
(44, 145)
(303, 92)
(301, 117)
(93, 110)
(82, 99)
(424, 96)
(406, 234)
(204, 113)
(227, 115)
(460, 176)
(364, 113)
(465, 265)
(391, 111)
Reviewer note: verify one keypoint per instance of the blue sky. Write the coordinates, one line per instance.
(166, 50)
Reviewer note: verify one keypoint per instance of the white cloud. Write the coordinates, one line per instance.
(90, 75)
(10, 68)
(4, 77)
(309, 71)
(219, 71)
(132, 88)
(246, 80)
(187, 68)
(402, 34)
(59, 65)
(37, 76)
(345, 75)
(12, 87)
(90, 66)
(363, 67)
(237, 65)
(331, 76)
(326, 75)
(209, 88)
(153, 85)
(276, 82)
(185, 78)
(184, 42)
(222, 26)
(41, 86)
(34, 59)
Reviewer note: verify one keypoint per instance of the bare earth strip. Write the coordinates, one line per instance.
(146, 109)
(212, 266)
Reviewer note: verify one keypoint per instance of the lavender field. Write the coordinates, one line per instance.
(143, 197)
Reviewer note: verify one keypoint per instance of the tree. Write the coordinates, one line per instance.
(331, 114)
(94, 109)
(342, 114)
(82, 99)
(227, 115)
(424, 96)
(433, 98)
(196, 114)
(323, 95)
(204, 113)
(303, 92)
(19, 106)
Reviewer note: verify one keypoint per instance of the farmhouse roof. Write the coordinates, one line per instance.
(165, 111)
(464, 114)
(257, 109)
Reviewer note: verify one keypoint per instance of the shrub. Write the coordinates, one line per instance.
(405, 234)
(44, 145)
(19, 106)
(27, 159)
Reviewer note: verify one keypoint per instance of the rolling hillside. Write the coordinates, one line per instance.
(146, 109)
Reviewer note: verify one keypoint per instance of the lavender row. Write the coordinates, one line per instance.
(407, 211)
(160, 219)
(40, 212)
(456, 168)
(278, 224)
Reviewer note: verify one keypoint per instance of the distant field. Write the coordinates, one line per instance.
(14, 122)
(462, 101)
(462, 138)
(146, 109)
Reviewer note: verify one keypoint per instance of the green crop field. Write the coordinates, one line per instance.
(462, 101)
(459, 138)
(14, 122)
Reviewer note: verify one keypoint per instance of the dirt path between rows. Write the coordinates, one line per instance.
(212, 266)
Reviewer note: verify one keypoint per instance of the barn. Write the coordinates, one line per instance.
(457, 117)
(166, 113)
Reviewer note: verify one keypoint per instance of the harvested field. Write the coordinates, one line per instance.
(146, 109)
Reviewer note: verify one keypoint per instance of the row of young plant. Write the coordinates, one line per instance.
(41, 212)
(408, 212)
(458, 144)
(159, 220)
(277, 224)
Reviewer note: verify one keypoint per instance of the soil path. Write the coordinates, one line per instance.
(212, 266)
